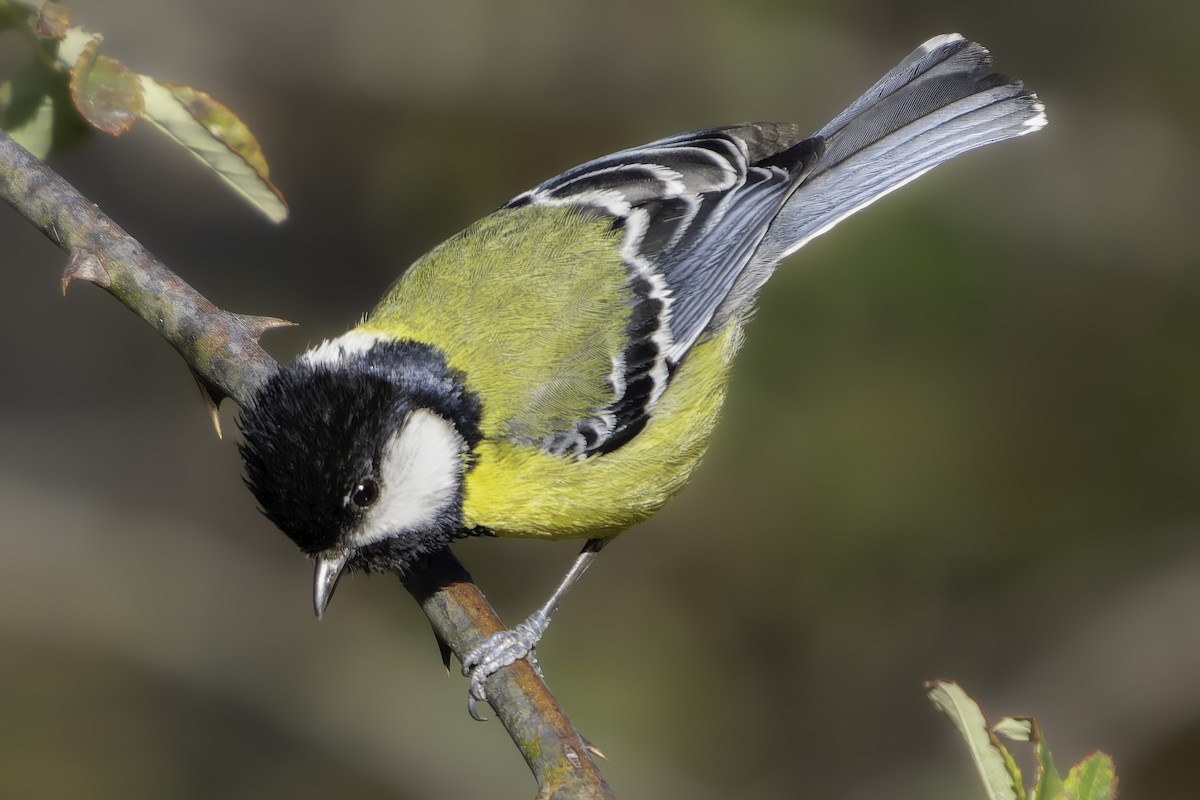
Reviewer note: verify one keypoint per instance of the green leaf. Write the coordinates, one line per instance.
(105, 91)
(223, 124)
(213, 134)
(1094, 778)
(1049, 782)
(999, 772)
(31, 126)
(1025, 729)
(27, 108)
(1017, 729)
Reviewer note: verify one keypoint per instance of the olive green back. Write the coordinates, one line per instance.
(529, 302)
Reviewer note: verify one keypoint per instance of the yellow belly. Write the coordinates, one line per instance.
(520, 490)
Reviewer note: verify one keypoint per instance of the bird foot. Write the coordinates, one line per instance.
(499, 651)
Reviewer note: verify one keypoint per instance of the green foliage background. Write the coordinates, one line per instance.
(963, 440)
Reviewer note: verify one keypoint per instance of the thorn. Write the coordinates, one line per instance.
(595, 750)
(212, 404)
(85, 266)
(256, 326)
(445, 651)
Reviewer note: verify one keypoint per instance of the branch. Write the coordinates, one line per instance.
(223, 352)
(556, 754)
(221, 348)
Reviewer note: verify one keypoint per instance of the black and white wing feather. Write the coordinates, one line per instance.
(694, 209)
(708, 215)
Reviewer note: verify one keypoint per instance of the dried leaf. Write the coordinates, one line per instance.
(105, 91)
(73, 43)
(110, 97)
(51, 21)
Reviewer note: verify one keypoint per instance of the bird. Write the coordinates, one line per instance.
(556, 370)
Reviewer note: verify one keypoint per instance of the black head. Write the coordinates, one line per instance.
(357, 451)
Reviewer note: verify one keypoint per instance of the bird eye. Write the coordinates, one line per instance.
(365, 493)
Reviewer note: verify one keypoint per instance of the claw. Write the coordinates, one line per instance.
(476, 694)
(475, 715)
(499, 651)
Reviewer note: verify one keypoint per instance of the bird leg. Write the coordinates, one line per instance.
(506, 647)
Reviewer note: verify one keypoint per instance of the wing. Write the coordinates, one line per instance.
(709, 215)
(694, 209)
(677, 237)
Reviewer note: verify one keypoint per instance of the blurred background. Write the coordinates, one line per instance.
(963, 439)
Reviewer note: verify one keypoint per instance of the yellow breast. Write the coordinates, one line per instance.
(520, 490)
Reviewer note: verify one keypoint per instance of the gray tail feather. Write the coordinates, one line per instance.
(937, 103)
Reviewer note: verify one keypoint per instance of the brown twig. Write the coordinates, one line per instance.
(223, 352)
(221, 348)
(557, 755)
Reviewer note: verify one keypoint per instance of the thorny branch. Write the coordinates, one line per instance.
(223, 352)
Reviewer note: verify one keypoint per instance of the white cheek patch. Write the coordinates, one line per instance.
(419, 477)
(331, 351)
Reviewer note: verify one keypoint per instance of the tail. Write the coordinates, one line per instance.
(937, 103)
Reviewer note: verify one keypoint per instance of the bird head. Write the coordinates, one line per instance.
(357, 451)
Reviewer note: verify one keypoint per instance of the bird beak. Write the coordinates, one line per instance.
(329, 568)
